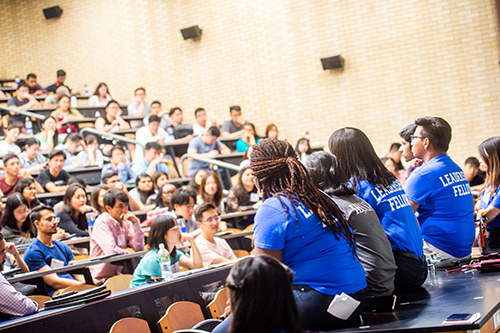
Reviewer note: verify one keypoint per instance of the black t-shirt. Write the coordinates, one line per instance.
(53, 87)
(478, 180)
(44, 177)
(71, 226)
(17, 118)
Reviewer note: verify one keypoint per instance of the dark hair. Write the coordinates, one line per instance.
(116, 147)
(21, 84)
(61, 73)
(192, 182)
(198, 110)
(1, 236)
(254, 130)
(108, 175)
(76, 180)
(246, 154)
(70, 192)
(172, 110)
(154, 118)
(437, 130)
(308, 152)
(395, 146)
(111, 102)
(144, 195)
(140, 88)
(30, 75)
(8, 157)
(358, 159)
(56, 152)
(157, 175)
(155, 102)
(269, 128)
(32, 141)
(489, 150)
(95, 195)
(260, 290)
(181, 197)
(204, 207)
(218, 195)
(276, 166)
(114, 194)
(235, 108)
(325, 174)
(21, 185)
(96, 92)
(55, 137)
(213, 131)
(73, 137)
(407, 132)
(11, 127)
(36, 212)
(8, 219)
(159, 198)
(152, 145)
(90, 139)
(159, 228)
(239, 190)
(473, 161)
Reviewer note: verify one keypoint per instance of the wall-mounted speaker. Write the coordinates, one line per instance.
(191, 32)
(332, 62)
(52, 12)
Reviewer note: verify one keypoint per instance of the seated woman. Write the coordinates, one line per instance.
(245, 160)
(110, 122)
(195, 181)
(7, 145)
(49, 136)
(16, 226)
(72, 216)
(143, 189)
(30, 158)
(163, 200)
(165, 230)
(391, 165)
(489, 200)
(303, 149)
(27, 188)
(211, 191)
(249, 138)
(101, 95)
(385, 194)
(65, 112)
(91, 156)
(97, 199)
(374, 249)
(160, 178)
(271, 131)
(242, 197)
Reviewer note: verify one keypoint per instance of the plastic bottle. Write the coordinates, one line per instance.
(164, 260)
(182, 223)
(74, 102)
(29, 126)
(17, 79)
(170, 131)
(90, 215)
(86, 88)
(97, 114)
(308, 137)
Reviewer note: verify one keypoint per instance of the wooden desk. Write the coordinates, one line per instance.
(169, 146)
(8, 90)
(2, 81)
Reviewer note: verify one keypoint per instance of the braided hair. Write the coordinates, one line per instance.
(275, 165)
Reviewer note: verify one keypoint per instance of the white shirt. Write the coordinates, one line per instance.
(209, 251)
(198, 130)
(5, 148)
(144, 135)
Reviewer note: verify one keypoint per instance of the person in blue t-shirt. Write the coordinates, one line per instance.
(384, 193)
(152, 161)
(45, 254)
(489, 200)
(440, 193)
(208, 145)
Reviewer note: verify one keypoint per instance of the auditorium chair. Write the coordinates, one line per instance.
(40, 299)
(130, 325)
(181, 315)
(218, 304)
(118, 282)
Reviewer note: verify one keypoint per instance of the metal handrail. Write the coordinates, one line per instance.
(209, 160)
(23, 112)
(111, 135)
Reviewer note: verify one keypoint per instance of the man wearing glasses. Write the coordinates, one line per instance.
(45, 253)
(213, 250)
(439, 191)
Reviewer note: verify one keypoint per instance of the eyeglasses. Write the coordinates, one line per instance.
(413, 137)
(53, 219)
(215, 218)
(27, 212)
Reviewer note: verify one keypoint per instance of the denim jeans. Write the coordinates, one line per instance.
(411, 272)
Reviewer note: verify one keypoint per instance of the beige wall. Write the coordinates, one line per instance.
(404, 59)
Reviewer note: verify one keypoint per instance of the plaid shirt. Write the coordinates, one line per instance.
(27, 163)
(13, 302)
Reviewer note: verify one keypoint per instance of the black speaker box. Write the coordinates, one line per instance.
(332, 62)
(52, 12)
(191, 32)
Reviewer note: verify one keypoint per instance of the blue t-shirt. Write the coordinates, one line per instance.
(150, 266)
(141, 167)
(395, 214)
(201, 148)
(39, 255)
(486, 200)
(313, 252)
(446, 211)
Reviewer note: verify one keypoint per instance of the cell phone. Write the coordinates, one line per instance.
(459, 316)
(155, 280)
(222, 233)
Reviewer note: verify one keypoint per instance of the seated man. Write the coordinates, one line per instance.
(139, 108)
(52, 100)
(111, 180)
(8, 146)
(440, 193)
(157, 110)
(34, 88)
(13, 174)
(153, 161)
(22, 101)
(117, 164)
(395, 154)
(208, 145)
(474, 177)
(61, 77)
(182, 132)
(54, 178)
(182, 204)
(113, 232)
(202, 122)
(45, 254)
(12, 302)
(405, 149)
(213, 250)
(70, 147)
(233, 128)
(152, 132)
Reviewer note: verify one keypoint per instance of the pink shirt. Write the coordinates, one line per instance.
(110, 236)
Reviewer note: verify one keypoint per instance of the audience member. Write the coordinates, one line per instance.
(64, 113)
(303, 149)
(233, 128)
(213, 250)
(30, 158)
(27, 187)
(49, 136)
(117, 164)
(374, 249)
(385, 194)
(71, 146)
(165, 230)
(54, 178)
(44, 253)
(202, 122)
(164, 198)
(152, 161)
(209, 146)
(473, 174)
(489, 200)
(101, 95)
(182, 132)
(395, 153)
(16, 226)
(440, 193)
(245, 159)
(182, 205)
(249, 138)
(22, 101)
(112, 121)
(72, 216)
(8, 146)
(405, 149)
(113, 232)
(159, 179)
(195, 181)
(139, 107)
(211, 191)
(242, 197)
(111, 180)
(392, 166)
(302, 227)
(152, 132)
(271, 132)
(13, 174)
(157, 110)
(97, 199)
(12, 302)
(91, 156)
(52, 100)
(143, 189)
(34, 88)
(61, 77)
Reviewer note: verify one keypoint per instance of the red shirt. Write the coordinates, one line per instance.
(6, 188)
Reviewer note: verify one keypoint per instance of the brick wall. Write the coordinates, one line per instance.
(404, 59)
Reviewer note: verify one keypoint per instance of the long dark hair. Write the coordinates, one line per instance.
(489, 150)
(192, 183)
(156, 176)
(280, 173)
(70, 192)
(218, 195)
(24, 183)
(308, 152)
(239, 190)
(324, 171)
(159, 197)
(144, 195)
(55, 137)
(255, 135)
(260, 290)
(94, 196)
(159, 228)
(96, 92)
(14, 201)
(358, 159)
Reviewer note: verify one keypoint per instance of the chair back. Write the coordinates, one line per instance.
(77, 288)
(130, 325)
(40, 299)
(180, 315)
(240, 253)
(118, 282)
(218, 304)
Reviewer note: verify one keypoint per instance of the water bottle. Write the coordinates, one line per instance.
(308, 137)
(170, 131)
(182, 223)
(29, 126)
(74, 102)
(86, 88)
(17, 79)
(164, 260)
(90, 215)
(97, 114)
